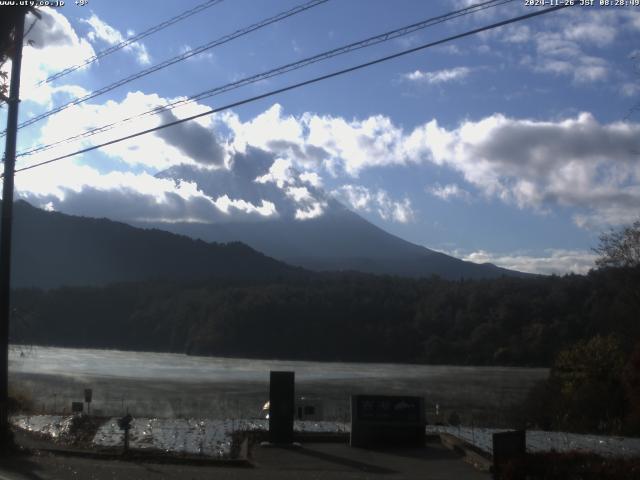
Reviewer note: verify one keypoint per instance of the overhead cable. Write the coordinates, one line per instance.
(301, 84)
(179, 58)
(136, 38)
(374, 40)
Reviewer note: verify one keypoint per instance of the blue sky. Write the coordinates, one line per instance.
(516, 146)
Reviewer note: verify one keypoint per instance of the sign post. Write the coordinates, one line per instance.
(88, 393)
(125, 425)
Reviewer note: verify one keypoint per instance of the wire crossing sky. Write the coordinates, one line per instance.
(131, 40)
(371, 41)
(190, 53)
(301, 84)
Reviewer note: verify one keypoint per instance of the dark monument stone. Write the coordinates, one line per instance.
(281, 407)
(508, 446)
(380, 420)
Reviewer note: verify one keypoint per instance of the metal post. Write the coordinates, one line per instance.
(5, 222)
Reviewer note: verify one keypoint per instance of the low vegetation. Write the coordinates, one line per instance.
(593, 387)
(572, 465)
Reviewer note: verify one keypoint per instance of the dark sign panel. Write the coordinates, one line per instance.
(77, 407)
(88, 393)
(381, 420)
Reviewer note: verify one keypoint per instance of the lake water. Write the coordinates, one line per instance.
(173, 385)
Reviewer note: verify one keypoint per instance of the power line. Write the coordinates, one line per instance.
(374, 40)
(125, 43)
(189, 53)
(301, 84)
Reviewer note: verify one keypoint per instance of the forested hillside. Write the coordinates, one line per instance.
(358, 317)
(51, 249)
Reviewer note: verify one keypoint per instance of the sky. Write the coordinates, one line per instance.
(517, 146)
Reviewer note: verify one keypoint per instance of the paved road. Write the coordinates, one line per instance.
(324, 461)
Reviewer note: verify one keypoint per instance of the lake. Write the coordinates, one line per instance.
(173, 385)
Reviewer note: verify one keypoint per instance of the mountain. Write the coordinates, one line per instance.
(339, 239)
(52, 249)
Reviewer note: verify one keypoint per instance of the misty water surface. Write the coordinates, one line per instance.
(175, 385)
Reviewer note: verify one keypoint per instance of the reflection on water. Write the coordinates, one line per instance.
(173, 385)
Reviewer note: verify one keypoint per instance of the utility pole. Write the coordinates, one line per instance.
(5, 233)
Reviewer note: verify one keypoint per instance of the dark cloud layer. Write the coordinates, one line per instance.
(197, 142)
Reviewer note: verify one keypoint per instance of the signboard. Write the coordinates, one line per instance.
(88, 393)
(281, 407)
(77, 407)
(387, 420)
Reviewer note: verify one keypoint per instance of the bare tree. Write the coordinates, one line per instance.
(620, 248)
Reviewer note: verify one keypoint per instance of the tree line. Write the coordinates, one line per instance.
(341, 316)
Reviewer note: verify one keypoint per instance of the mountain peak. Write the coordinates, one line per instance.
(334, 239)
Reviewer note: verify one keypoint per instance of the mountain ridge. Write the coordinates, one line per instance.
(340, 241)
(53, 249)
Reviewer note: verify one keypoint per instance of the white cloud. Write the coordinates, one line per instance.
(583, 68)
(576, 162)
(448, 192)
(361, 198)
(571, 43)
(312, 178)
(439, 76)
(316, 142)
(591, 30)
(246, 181)
(191, 143)
(630, 89)
(54, 45)
(207, 55)
(130, 197)
(552, 261)
(486, 13)
(517, 34)
(282, 173)
(226, 205)
(100, 30)
(314, 210)
(264, 129)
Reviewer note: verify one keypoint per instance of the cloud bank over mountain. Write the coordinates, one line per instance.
(577, 163)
